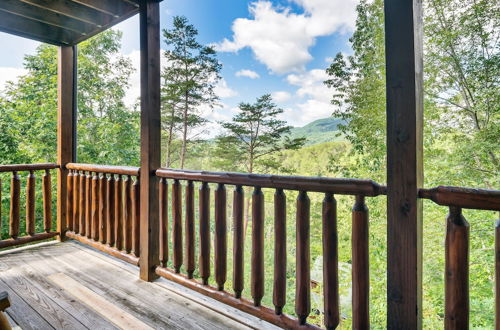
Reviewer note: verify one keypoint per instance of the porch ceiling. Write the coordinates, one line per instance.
(63, 22)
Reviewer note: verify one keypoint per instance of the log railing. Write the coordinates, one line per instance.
(457, 248)
(103, 208)
(183, 233)
(35, 228)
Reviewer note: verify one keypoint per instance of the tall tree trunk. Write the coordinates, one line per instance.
(248, 199)
(170, 138)
(184, 131)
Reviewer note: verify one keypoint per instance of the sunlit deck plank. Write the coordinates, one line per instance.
(154, 304)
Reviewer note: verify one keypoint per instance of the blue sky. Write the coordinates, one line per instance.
(280, 47)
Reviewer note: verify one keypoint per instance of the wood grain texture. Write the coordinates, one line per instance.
(136, 215)
(69, 202)
(103, 208)
(82, 207)
(333, 185)
(118, 223)
(220, 237)
(110, 217)
(238, 241)
(257, 271)
(330, 264)
(404, 89)
(360, 265)
(189, 229)
(94, 218)
(88, 206)
(279, 283)
(457, 271)
(30, 203)
(177, 225)
(47, 201)
(66, 115)
(127, 216)
(204, 213)
(15, 193)
(163, 240)
(149, 17)
(116, 315)
(303, 259)
(76, 203)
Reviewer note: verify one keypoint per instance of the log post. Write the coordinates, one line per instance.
(66, 128)
(150, 137)
(403, 45)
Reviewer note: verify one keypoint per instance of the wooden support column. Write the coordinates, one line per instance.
(403, 46)
(150, 137)
(66, 127)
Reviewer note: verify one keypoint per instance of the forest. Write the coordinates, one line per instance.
(461, 137)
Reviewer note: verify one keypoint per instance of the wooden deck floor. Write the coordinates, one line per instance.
(71, 286)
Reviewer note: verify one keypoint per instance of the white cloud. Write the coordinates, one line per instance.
(247, 73)
(9, 74)
(223, 91)
(315, 94)
(281, 96)
(281, 39)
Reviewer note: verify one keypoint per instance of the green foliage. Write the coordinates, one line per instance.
(253, 136)
(189, 78)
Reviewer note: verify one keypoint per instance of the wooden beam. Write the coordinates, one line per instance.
(403, 45)
(66, 128)
(150, 137)
(36, 30)
(116, 8)
(45, 16)
(74, 10)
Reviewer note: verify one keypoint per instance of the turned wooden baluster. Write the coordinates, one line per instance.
(257, 273)
(360, 265)
(190, 229)
(75, 201)
(177, 225)
(82, 207)
(95, 207)
(220, 239)
(103, 208)
(457, 271)
(497, 275)
(69, 202)
(303, 276)
(127, 223)
(118, 213)
(88, 206)
(163, 222)
(330, 263)
(136, 213)
(15, 192)
(279, 289)
(110, 217)
(238, 241)
(204, 210)
(30, 203)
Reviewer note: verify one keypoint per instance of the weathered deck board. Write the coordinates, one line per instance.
(43, 304)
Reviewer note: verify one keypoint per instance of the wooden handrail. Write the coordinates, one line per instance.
(299, 183)
(468, 198)
(27, 167)
(108, 169)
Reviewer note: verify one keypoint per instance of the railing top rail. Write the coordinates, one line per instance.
(27, 167)
(300, 183)
(468, 198)
(108, 169)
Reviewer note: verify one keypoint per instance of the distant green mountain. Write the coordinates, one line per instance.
(319, 131)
